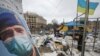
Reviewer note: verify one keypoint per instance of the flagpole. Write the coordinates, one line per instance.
(85, 25)
(77, 12)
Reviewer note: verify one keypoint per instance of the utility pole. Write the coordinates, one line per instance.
(85, 25)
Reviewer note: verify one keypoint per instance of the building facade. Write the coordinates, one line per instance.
(35, 22)
(13, 5)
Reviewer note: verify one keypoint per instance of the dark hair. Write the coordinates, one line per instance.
(0, 38)
(81, 28)
(60, 54)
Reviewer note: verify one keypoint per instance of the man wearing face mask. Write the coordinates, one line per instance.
(14, 36)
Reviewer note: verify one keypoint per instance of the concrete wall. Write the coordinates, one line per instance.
(14, 5)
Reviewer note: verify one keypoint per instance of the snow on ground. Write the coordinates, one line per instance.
(68, 41)
(50, 54)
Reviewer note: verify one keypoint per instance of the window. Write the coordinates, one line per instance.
(17, 7)
(8, 7)
(3, 5)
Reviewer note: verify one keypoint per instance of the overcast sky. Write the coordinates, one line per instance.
(56, 9)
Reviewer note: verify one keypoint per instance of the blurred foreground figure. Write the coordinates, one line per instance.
(14, 35)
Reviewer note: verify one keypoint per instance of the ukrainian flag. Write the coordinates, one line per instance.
(62, 28)
(82, 6)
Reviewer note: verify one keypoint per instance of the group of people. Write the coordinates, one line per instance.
(78, 33)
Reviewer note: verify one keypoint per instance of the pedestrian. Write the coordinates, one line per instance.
(80, 34)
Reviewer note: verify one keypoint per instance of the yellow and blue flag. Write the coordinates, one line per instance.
(82, 6)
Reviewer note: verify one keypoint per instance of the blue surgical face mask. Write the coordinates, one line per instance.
(19, 45)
